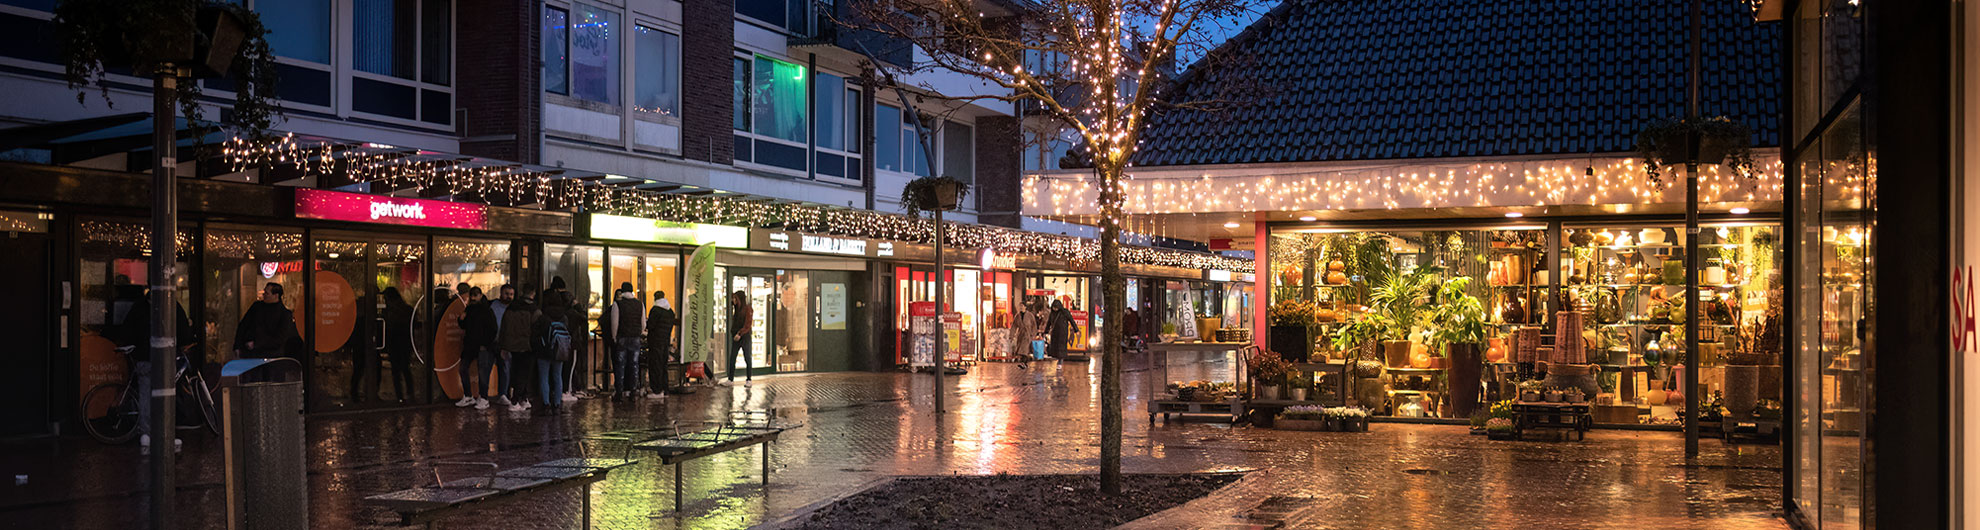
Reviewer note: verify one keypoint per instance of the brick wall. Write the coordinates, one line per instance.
(999, 152)
(500, 77)
(708, 39)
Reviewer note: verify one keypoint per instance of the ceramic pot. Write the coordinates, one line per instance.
(1395, 353)
(1512, 312)
(1270, 392)
(1297, 393)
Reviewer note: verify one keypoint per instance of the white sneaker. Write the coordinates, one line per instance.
(480, 404)
(144, 444)
(466, 401)
(570, 397)
(502, 401)
(518, 407)
(651, 395)
(526, 405)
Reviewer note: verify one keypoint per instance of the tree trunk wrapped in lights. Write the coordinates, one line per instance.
(1095, 68)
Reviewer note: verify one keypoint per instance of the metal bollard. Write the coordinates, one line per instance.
(262, 410)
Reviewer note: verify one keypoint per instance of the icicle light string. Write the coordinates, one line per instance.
(400, 168)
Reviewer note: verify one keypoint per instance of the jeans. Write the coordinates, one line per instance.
(142, 371)
(550, 382)
(466, 368)
(740, 347)
(493, 360)
(626, 364)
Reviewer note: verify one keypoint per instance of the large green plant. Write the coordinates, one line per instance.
(98, 35)
(1458, 317)
(1403, 300)
(1359, 330)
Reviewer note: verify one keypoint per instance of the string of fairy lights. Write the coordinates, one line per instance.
(1522, 183)
(402, 168)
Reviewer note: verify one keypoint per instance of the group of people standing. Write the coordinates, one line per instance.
(514, 330)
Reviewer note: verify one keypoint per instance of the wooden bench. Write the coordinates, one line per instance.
(426, 504)
(1564, 417)
(744, 429)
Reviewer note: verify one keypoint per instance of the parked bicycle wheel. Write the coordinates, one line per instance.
(110, 413)
(202, 396)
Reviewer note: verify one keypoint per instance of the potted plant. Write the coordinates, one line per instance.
(928, 194)
(1301, 418)
(198, 38)
(1267, 371)
(1718, 139)
(1500, 429)
(1292, 321)
(1403, 301)
(1458, 319)
(1529, 390)
(1348, 419)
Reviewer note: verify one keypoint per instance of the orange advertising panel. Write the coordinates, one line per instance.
(100, 364)
(336, 311)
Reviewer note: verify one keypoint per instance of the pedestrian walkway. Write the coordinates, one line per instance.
(860, 427)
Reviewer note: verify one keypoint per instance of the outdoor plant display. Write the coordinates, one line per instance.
(928, 194)
(1458, 330)
(1269, 370)
(1317, 418)
(1499, 428)
(1666, 143)
(1403, 301)
(1292, 322)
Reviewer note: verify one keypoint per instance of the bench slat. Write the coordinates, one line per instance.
(589, 463)
(552, 473)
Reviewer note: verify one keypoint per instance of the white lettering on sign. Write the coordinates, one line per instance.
(834, 245)
(402, 211)
(885, 249)
(780, 241)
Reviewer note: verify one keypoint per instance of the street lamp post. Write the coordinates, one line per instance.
(164, 324)
(941, 316)
(1693, 141)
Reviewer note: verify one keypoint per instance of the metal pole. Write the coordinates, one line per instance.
(164, 325)
(1692, 140)
(941, 315)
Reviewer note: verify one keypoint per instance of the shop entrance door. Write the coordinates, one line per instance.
(760, 288)
(830, 319)
(24, 321)
(364, 326)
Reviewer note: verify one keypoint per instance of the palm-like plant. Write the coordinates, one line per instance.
(1403, 299)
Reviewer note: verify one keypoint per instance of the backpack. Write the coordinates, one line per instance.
(558, 341)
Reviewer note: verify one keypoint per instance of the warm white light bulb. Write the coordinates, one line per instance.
(1741, 211)
(1515, 214)
(1308, 218)
(1232, 224)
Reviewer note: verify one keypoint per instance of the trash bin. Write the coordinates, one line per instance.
(262, 412)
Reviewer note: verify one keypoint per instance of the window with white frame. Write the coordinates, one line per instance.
(656, 72)
(774, 132)
(886, 144)
(836, 128)
(594, 54)
(402, 59)
(959, 151)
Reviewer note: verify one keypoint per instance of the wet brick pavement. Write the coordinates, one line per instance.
(861, 427)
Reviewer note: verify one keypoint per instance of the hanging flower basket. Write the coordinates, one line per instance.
(207, 38)
(1719, 141)
(930, 194)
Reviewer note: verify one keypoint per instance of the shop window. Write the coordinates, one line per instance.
(582, 271)
(916, 152)
(237, 263)
(595, 55)
(657, 72)
(556, 50)
(779, 102)
(298, 29)
(115, 268)
(886, 145)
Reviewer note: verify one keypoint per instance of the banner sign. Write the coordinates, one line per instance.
(362, 208)
(623, 228)
(698, 342)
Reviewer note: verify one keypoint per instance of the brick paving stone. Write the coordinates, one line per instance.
(859, 427)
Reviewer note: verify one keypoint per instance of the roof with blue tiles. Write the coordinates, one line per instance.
(1404, 79)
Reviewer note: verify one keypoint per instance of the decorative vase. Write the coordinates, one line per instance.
(1206, 328)
(1512, 312)
(1465, 371)
(1651, 236)
(1742, 390)
(1291, 342)
(1395, 353)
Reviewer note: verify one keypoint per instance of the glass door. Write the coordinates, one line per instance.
(363, 326)
(759, 288)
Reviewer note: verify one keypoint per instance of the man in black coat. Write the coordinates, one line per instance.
(660, 322)
(1059, 327)
(478, 328)
(268, 329)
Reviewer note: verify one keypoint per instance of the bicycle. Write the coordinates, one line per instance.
(118, 423)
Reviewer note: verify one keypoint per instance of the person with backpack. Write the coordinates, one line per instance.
(513, 339)
(624, 320)
(660, 322)
(554, 347)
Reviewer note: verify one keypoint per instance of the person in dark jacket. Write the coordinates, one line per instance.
(624, 323)
(478, 327)
(660, 322)
(741, 319)
(552, 351)
(513, 339)
(1059, 328)
(268, 329)
(399, 341)
(136, 329)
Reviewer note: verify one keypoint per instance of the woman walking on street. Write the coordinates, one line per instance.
(741, 318)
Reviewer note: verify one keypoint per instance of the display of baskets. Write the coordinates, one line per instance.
(1526, 345)
(1568, 346)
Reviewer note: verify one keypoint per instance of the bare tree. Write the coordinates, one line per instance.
(1095, 67)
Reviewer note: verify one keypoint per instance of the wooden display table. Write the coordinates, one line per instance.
(1541, 415)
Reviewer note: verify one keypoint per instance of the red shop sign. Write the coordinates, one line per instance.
(921, 309)
(361, 208)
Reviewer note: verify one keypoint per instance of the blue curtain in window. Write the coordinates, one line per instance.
(384, 37)
(830, 92)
